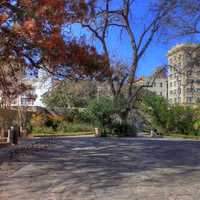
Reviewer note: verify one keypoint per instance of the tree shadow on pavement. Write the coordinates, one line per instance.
(82, 165)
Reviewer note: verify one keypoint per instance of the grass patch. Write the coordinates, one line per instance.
(63, 129)
(58, 134)
(176, 135)
(75, 127)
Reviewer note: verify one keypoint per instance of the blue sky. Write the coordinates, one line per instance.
(155, 56)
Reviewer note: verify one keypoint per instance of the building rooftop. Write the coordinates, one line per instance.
(181, 47)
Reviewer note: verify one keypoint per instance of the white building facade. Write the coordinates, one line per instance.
(33, 98)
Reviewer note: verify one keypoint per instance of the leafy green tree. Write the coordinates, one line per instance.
(68, 95)
(100, 111)
(105, 112)
(157, 107)
(184, 118)
(176, 118)
(57, 98)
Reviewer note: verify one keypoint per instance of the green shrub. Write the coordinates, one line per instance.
(75, 127)
(42, 130)
(100, 111)
(158, 108)
(85, 116)
(123, 130)
(184, 118)
(172, 119)
(63, 127)
(103, 113)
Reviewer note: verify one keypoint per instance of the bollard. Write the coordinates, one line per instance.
(97, 132)
(12, 134)
(15, 135)
(2, 132)
(21, 131)
(9, 136)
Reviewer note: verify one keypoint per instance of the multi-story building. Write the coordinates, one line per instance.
(158, 86)
(184, 74)
(103, 89)
(157, 83)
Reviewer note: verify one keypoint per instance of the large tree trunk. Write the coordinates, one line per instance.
(124, 117)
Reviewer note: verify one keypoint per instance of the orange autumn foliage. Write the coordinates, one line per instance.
(3, 18)
(30, 29)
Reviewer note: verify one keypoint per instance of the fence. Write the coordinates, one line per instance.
(9, 130)
(11, 135)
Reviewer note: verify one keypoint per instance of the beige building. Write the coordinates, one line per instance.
(157, 83)
(184, 74)
(158, 86)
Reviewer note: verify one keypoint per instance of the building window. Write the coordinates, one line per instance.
(197, 81)
(189, 90)
(175, 83)
(189, 99)
(170, 84)
(160, 93)
(154, 85)
(26, 101)
(23, 101)
(14, 102)
(161, 84)
(198, 90)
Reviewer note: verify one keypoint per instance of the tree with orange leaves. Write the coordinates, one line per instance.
(31, 37)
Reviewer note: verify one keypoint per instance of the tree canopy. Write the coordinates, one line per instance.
(31, 36)
(70, 95)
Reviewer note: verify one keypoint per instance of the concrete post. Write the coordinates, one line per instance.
(9, 136)
(12, 134)
(21, 131)
(2, 132)
(97, 132)
(15, 135)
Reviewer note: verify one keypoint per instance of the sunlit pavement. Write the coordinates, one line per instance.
(86, 168)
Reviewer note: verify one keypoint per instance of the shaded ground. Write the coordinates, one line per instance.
(101, 169)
